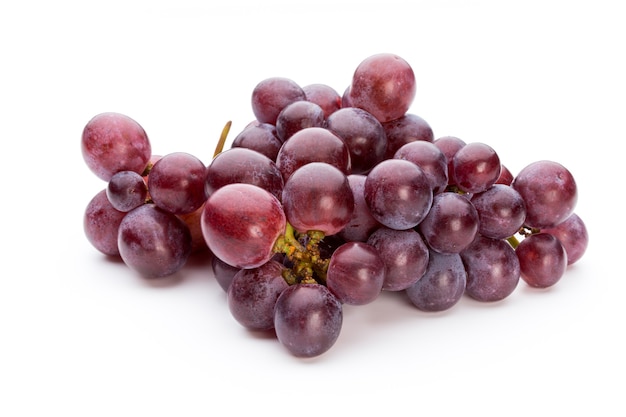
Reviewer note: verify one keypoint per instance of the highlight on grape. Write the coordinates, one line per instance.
(329, 199)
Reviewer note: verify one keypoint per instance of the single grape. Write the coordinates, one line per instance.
(430, 159)
(383, 85)
(176, 183)
(449, 145)
(542, 260)
(101, 222)
(241, 223)
(451, 224)
(317, 196)
(405, 256)
(307, 319)
(476, 167)
(126, 190)
(573, 235)
(441, 286)
(113, 142)
(356, 273)
(398, 194)
(324, 96)
(242, 165)
(297, 116)
(550, 193)
(260, 137)
(313, 144)
(362, 223)
(272, 95)
(252, 295)
(153, 242)
(493, 269)
(363, 134)
(223, 272)
(406, 129)
(501, 210)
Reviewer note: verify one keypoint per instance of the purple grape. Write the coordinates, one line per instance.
(451, 224)
(501, 210)
(252, 295)
(101, 222)
(493, 269)
(317, 196)
(242, 165)
(260, 137)
(126, 190)
(297, 116)
(241, 223)
(313, 144)
(307, 319)
(406, 129)
(542, 260)
(476, 167)
(272, 95)
(405, 256)
(363, 134)
(449, 145)
(430, 159)
(442, 285)
(362, 223)
(506, 177)
(113, 142)
(223, 272)
(324, 96)
(550, 193)
(383, 85)
(176, 183)
(398, 194)
(356, 273)
(573, 235)
(153, 242)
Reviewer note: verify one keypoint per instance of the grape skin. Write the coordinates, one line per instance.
(573, 235)
(153, 242)
(101, 222)
(297, 116)
(126, 190)
(362, 223)
(272, 95)
(542, 259)
(430, 159)
(476, 167)
(324, 96)
(307, 319)
(501, 210)
(408, 128)
(223, 272)
(260, 137)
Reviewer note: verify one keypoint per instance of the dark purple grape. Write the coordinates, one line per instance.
(252, 295)
(506, 177)
(550, 193)
(501, 210)
(241, 223)
(113, 142)
(297, 116)
(573, 235)
(313, 144)
(176, 183)
(126, 190)
(101, 222)
(442, 285)
(476, 167)
(356, 273)
(430, 159)
(363, 134)
(307, 319)
(242, 165)
(260, 137)
(406, 129)
(317, 196)
(272, 95)
(398, 193)
(383, 85)
(542, 260)
(493, 270)
(362, 223)
(324, 96)
(449, 145)
(451, 224)
(223, 272)
(153, 242)
(405, 256)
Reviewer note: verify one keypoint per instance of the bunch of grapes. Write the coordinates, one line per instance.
(328, 199)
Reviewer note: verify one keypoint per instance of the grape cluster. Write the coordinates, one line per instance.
(328, 199)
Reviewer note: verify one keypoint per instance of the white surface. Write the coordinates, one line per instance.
(84, 336)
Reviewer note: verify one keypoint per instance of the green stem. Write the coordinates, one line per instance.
(513, 241)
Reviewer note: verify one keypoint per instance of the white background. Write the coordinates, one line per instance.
(82, 335)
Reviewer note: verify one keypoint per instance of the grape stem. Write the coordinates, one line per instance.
(302, 252)
(524, 232)
(222, 140)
